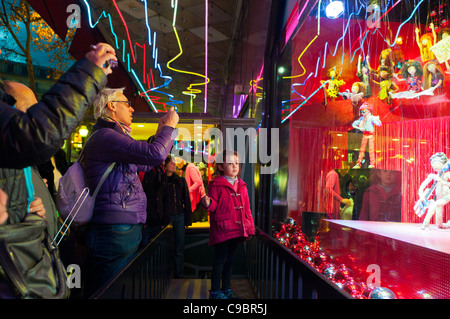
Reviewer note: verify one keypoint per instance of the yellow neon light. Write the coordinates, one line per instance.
(190, 90)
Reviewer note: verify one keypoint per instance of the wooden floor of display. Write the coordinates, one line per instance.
(199, 289)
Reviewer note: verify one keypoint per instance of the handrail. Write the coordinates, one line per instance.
(277, 273)
(147, 275)
(274, 272)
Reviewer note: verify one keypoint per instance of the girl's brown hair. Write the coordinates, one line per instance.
(220, 159)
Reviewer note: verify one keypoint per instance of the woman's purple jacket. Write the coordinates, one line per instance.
(121, 199)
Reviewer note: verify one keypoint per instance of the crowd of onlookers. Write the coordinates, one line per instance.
(145, 190)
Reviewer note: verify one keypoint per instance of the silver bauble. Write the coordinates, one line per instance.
(382, 293)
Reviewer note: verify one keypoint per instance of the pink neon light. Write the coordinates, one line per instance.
(301, 12)
(291, 23)
(143, 69)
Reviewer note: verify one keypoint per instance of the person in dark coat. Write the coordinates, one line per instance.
(33, 137)
(115, 231)
(177, 205)
(157, 219)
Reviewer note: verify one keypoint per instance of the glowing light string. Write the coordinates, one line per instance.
(167, 79)
(149, 30)
(108, 16)
(360, 48)
(401, 25)
(190, 91)
(379, 19)
(340, 39)
(126, 29)
(298, 107)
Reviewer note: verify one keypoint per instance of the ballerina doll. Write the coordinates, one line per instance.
(334, 83)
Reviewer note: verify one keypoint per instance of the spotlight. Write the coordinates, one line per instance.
(334, 9)
(83, 131)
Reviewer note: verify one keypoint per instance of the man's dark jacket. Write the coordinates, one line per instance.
(31, 138)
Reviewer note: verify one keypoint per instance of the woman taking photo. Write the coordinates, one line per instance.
(115, 231)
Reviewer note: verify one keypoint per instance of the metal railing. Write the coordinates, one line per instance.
(273, 270)
(147, 276)
(277, 273)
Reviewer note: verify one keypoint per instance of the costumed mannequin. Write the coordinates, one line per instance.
(387, 86)
(334, 83)
(366, 124)
(441, 189)
(425, 42)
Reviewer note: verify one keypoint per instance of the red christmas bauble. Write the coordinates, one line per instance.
(353, 288)
(321, 259)
(343, 274)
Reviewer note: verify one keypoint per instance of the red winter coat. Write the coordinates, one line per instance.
(230, 214)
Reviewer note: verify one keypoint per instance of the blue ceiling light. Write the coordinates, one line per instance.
(334, 9)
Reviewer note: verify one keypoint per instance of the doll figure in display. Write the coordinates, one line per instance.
(425, 42)
(355, 96)
(333, 84)
(433, 199)
(433, 76)
(366, 125)
(443, 34)
(386, 60)
(363, 72)
(387, 86)
(412, 73)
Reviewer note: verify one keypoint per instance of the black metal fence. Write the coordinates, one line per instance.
(277, 273)
(147, 276)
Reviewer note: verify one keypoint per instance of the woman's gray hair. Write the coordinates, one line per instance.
(102, 99)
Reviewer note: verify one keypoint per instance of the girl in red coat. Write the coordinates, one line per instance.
(231, 220)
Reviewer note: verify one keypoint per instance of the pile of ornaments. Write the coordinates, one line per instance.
(290, 235)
